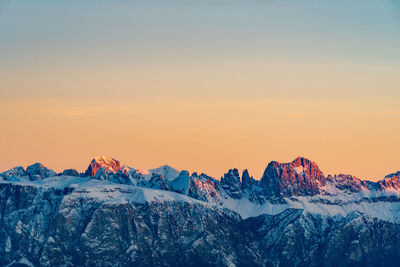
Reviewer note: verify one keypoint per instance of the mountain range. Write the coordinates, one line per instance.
(115, 215)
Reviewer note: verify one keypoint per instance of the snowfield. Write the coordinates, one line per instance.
(373, 203)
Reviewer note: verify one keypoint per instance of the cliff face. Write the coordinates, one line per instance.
(68, 227)
(60, 227)
(301, 177)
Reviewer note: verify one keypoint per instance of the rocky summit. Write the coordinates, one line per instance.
(115, 215)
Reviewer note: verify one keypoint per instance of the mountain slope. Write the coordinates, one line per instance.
(93, 223)
(114, 215)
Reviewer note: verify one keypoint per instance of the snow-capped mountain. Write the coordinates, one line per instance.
(167, 172)
(107, 165)
(115, 215)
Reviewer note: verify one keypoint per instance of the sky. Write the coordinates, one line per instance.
(201, 85)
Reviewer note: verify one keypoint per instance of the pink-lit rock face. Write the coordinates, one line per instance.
(110, 164)
(391, 181)
(204, 188)
(299, 177)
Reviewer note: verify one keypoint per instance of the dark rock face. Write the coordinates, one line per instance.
(38, 171)
(247, 181)
(237, 187)
(231, 183)
(50, 227)
(346, 182)
(300, 177)
(396, 174)
(250, 187)
(70, 172)
(14, 174)
(182, 183)
(157, 181)
(120, 177)
(124, 175)
(294, 238)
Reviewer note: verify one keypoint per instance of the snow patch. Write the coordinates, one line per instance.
(8, 245)
(27, 262)
(22, 261)
(299, 169)
(18, 227)
(166, 171)
(247, 209)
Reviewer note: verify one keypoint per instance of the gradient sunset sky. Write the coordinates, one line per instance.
(202, 85)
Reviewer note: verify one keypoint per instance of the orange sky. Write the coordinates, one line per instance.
(201, 87)
(358, 137)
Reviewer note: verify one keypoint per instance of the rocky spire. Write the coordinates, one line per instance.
(231, 183)
(247, 181)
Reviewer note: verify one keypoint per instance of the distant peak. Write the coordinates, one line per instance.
(38, 171)
(396, 174)
(297, 162)
(233, 171)
(165, 166)
(104, 162)
(103, 159)
(303, 161)
(168, 172)
(36, 165)
(299, 177)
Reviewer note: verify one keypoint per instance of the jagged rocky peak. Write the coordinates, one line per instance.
(247, 181)
(205, 189)
(13, 174)
(184, 172)
(299, 177)
(38, 171)
(125, 170)
(157, 181)
(298, 167)
(231, 177)
(201, 187)
(305, 166)
(230, 182)
(393, 175)
(391, 181)
(106, 163)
